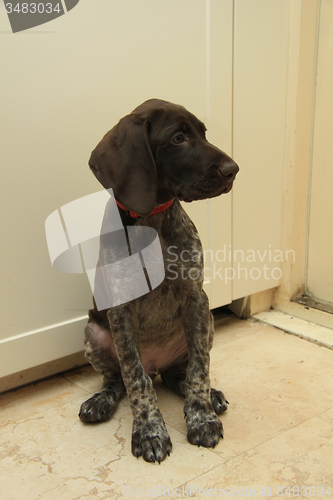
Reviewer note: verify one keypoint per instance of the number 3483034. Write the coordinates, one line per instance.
(32, 8)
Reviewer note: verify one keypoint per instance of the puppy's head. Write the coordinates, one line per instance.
(157, 153)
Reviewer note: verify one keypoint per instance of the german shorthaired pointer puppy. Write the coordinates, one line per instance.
(156, 157)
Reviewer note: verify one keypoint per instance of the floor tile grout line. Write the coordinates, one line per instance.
(324, 411)
(75, 384)
(277, 435)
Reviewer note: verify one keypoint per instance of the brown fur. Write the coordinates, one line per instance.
(158, 153)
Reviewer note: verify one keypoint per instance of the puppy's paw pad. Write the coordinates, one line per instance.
(219, 402)
(98, 408)
(151, 441)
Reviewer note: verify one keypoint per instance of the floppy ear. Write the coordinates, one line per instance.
(124, 162)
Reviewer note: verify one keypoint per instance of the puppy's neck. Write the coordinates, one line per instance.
(157, 210)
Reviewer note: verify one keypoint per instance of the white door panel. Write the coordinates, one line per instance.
(260, 78)
(64, 85)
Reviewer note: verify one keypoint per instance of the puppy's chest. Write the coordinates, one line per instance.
(181, 246)
(183, 262)
(161, 310)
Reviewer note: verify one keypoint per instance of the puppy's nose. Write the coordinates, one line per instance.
(228, 169)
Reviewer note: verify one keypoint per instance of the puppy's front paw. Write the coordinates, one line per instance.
(151, 440)
(204, 428)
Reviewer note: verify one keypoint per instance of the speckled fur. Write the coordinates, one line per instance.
(176, 307)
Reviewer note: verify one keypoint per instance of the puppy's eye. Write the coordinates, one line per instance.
(178, 139)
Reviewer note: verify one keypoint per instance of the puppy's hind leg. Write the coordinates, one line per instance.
(174, 378)
(99, 352)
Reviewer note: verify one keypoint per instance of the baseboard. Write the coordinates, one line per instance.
(42, 371)
(252, 304)
(39, 347)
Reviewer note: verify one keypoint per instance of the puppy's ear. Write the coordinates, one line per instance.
(124, 162)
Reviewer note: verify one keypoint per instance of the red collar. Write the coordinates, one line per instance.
(156, 210)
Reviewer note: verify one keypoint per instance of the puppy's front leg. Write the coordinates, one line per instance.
(150, 437)
(204, 428)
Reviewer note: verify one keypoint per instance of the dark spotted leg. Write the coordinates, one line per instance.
(102, 405)
(174, 378)
(150, 438)
(204, 428)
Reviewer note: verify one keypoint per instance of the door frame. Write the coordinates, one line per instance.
(303, 44)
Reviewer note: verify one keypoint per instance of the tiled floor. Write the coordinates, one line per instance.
(278, 430)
